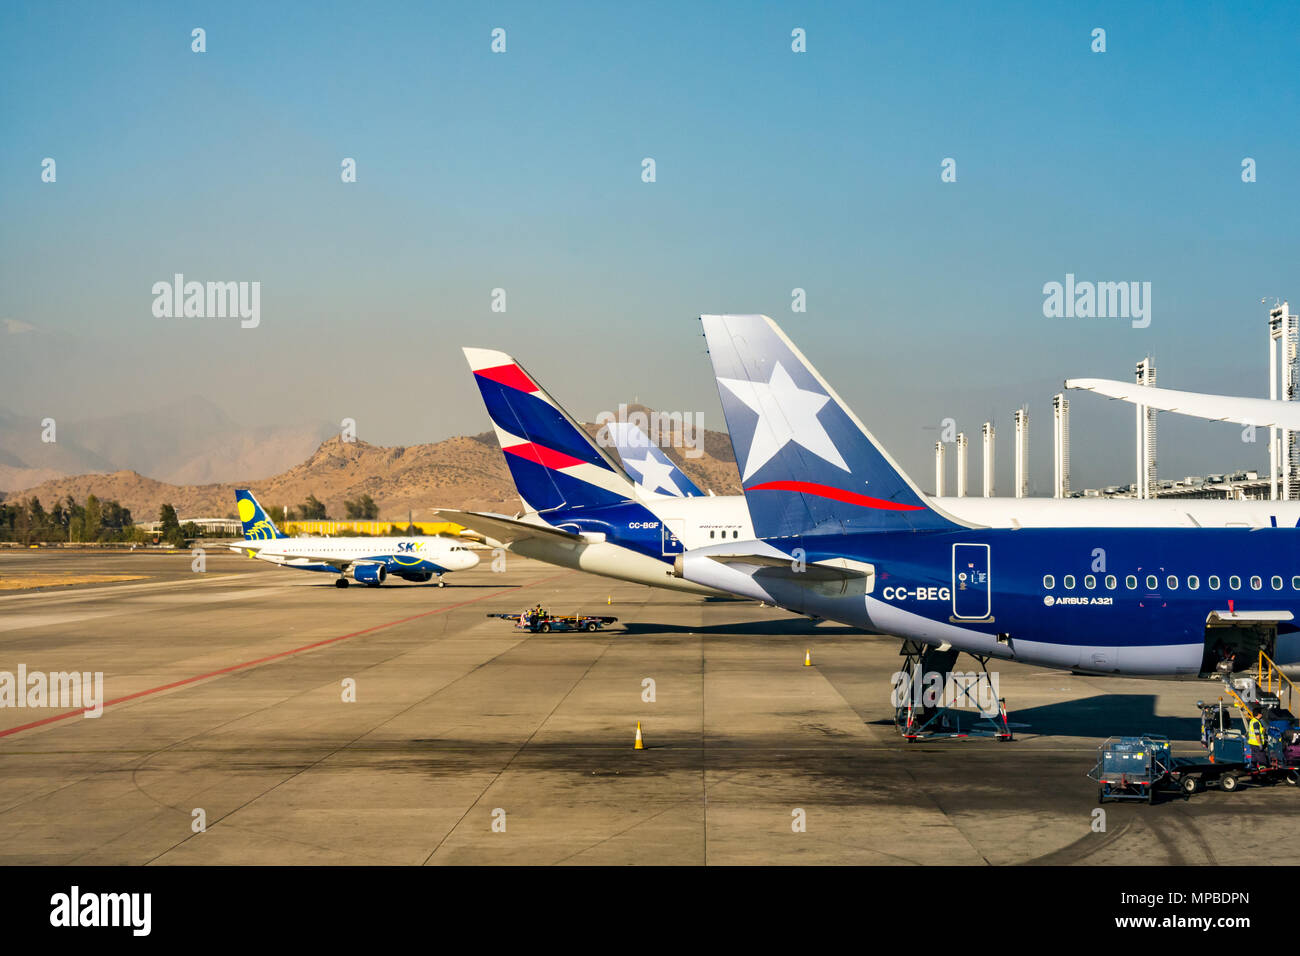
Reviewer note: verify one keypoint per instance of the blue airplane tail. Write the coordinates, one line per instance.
(257, 525)
(553, 461)
(646, 462)
(808, 465)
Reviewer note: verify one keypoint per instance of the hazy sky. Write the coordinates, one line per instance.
(523, 170)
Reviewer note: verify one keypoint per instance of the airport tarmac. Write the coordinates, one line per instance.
(226, 692)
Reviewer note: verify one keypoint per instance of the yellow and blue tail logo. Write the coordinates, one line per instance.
(257, 525)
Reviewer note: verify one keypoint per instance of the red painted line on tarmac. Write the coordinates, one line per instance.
(270, 657)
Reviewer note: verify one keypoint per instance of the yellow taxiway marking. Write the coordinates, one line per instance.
(54, 579)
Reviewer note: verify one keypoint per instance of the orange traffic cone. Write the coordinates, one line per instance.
(640, 744)
(807, 658)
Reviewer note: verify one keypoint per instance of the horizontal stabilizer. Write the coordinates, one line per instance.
(834, 576)
(503, 528)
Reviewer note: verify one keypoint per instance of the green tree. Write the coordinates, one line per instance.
(313, 510)
(93, 522)
(40, 521)
(115, 517)
(364, 508)
(59, 518)
(75, 517)
(23, 523)
(169, 526)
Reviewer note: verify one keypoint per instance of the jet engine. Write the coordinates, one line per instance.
(369, 574)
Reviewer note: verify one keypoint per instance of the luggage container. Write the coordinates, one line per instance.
(1132, 768)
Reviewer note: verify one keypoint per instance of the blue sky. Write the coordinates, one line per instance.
(521, 170)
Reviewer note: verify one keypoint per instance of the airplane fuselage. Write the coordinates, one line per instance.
(638, 541)
(1112, 601)
(413, 558)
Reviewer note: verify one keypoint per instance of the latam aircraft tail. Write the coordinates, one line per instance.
(553, 461)
(808, 465)
(645, 461)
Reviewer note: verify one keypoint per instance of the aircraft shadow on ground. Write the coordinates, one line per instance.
(791, 627)
(1107, 715)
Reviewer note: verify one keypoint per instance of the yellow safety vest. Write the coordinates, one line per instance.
(1255, 732)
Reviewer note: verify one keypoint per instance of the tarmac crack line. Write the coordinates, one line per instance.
(234, 668)
(146, 756)
(673, 805)
(367, 732)
(175, 746)
(704, 751)
(518, 750)
(902, 765)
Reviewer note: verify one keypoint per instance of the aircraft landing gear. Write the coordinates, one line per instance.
(341, 583)
(963, 704)
(441, 582)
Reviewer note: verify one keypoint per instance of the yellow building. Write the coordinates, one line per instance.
(376, 528)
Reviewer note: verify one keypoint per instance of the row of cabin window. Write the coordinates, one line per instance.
(1171, 582)
(734, 534)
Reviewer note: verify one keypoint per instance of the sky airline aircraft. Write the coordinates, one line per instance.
(842, 533)
(582, 509)
(370, 560)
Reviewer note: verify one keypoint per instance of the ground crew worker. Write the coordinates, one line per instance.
(1255, 732)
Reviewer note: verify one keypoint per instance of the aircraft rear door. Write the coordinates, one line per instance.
(672, 535)
(971, 595)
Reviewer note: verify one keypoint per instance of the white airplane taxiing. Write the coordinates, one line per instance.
(370, 561)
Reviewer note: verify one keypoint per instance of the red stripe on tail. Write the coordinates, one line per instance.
(835, 494)
(511, 376)
(547, 457)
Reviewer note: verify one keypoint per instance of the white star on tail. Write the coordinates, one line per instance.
(786, 413)
(653, 475)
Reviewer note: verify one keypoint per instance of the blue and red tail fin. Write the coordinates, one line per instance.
(807, 464)
(554, 462)
(653, 471)
(258, 526)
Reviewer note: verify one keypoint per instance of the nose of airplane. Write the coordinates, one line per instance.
(469, 559)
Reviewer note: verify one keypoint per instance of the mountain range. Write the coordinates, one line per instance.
(466, 472)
